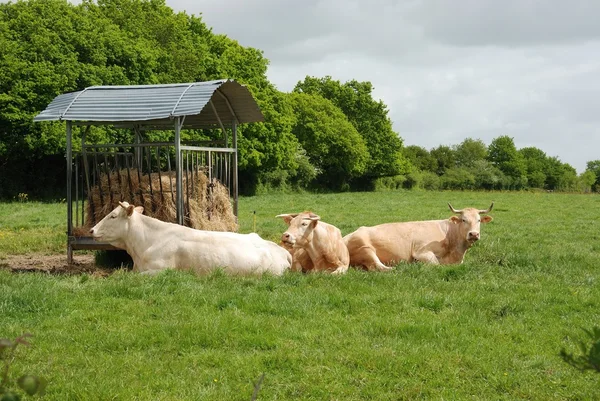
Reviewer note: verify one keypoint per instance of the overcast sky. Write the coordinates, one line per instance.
(446, 69)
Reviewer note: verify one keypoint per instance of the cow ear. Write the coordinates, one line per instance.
(486, 219)
(455, 219)
(139, 209)
(314, 219)
(286, 217)
(130, 210)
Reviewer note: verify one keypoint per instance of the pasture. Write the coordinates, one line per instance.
(489, 329)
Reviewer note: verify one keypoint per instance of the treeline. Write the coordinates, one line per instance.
(325, 134)
(474, 165)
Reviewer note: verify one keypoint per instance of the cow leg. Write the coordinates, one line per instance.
(340, 270)
(372, 262)
(426, 257)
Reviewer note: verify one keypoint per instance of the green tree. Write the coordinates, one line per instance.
(368, 116)
(469, 152)
(560, 176)
(504, 155)
(458, 178)
(586, 181)
(420, 158)
(332, 144)
(51, 47)
(536, 163)
(445, 158)
(594, 167)
(487, 176)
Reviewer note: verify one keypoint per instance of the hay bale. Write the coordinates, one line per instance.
(207, 206)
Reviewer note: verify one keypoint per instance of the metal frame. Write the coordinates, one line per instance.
(88, 243)
(143, 108)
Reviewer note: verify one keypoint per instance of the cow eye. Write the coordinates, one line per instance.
(113, 216)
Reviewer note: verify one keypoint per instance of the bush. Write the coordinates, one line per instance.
(429, 181)
(458, 178)
(390, 183)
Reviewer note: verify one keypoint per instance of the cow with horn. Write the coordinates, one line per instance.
(432, 241)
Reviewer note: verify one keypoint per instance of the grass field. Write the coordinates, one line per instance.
(489, 329)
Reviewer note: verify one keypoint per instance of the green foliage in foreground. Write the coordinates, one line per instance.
(27, 383)
(590, 354)
(491, 328)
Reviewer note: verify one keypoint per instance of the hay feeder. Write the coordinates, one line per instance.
(193, 184)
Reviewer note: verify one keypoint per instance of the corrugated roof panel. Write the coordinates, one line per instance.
(156, 103)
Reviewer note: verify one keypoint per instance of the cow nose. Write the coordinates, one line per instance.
(474, 235)
(92, 231)
(285, 236)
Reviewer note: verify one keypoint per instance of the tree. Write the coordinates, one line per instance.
(536, 163)
(488, 176)
(503, 154)
(369, 118)
(458, 178)
(470, 151)
(420, 158)
(445, 158)
(560, 176)
(51, 47)
(594, 167)
(586, 181)
(332, 144)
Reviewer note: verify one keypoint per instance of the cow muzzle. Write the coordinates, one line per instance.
(288, 238)
(473, 236)
(95, 234)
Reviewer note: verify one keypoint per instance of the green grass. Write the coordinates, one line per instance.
(491, 328)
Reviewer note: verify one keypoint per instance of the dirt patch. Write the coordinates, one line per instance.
(54, 264)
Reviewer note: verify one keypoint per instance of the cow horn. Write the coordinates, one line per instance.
(454, 210)
(292, 215)
(487, 210)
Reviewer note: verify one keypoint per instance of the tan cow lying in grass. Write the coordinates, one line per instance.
(433, 241)
(314, 244)
(156, 245)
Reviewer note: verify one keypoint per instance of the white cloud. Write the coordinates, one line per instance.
(529, 69)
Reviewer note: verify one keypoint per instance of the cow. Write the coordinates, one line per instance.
(315, 245)
(155, 245)
(433, 241)
(300, 260)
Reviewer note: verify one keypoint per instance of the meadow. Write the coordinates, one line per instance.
(491, 328)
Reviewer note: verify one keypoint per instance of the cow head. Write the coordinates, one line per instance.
(469, 220)
(300, 230)
(114, 226)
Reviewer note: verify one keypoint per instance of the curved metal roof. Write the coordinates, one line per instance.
(155, 106)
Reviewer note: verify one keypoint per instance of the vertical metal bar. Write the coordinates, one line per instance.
(187, 187)
(107, 172)
(69, 157)
(137, 149)
(170, 176)
(209, 166)
(99, 179)
(148, 151)
(118, 170)
(162, 194)
(178, 170)
(235, 170)
(138, 160)
(77, 192)
(131, 194)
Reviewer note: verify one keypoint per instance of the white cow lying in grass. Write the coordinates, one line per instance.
(156, 245)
